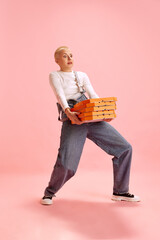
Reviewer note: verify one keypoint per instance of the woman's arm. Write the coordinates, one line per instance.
(55, 83)
(89, 88)
(59, 93)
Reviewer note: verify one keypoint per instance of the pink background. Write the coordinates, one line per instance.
(116, 42)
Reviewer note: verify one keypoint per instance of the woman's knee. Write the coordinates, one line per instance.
(128, 147)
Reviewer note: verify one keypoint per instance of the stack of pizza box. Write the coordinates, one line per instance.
(95, 109)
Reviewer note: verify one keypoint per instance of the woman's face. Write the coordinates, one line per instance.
(65, 60)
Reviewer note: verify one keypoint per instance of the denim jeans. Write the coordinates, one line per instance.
(72, 140)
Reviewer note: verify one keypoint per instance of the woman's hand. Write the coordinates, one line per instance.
(73, 116)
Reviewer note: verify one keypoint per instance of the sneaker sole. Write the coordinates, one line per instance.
(46, 202)
(120, 198)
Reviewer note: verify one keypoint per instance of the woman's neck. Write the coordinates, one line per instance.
(66, 70)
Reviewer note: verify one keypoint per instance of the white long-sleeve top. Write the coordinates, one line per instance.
(65, 88)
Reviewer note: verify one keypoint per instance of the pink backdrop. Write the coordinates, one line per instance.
(115, 42)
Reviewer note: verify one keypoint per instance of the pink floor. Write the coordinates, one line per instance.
(82, 209)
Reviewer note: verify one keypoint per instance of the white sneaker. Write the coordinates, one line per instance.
(46, 200)
(125, 197)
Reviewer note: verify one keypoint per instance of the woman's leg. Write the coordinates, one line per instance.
(112, 142)
(71, 145)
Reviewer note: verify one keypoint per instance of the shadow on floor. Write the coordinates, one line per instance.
(96, 220)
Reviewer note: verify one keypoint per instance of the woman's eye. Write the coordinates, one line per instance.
(65, 56)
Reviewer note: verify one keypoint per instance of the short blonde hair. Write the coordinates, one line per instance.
(58, 51)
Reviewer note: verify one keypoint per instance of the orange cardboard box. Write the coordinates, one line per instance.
(86, 103)
(94, 113)
(96, 118)
(92, 109)
(95, 100)
(96, 109)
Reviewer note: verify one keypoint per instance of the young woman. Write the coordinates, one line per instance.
(69, 87)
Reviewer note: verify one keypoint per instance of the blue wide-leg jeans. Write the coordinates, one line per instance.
(72, 140)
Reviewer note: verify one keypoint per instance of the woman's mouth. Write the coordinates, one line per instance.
(69, 62)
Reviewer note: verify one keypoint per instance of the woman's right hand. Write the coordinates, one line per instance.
(73, 116)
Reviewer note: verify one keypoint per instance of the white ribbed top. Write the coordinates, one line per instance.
(65, 88)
